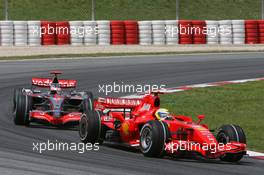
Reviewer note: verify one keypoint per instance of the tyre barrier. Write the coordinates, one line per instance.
(185, 32)
(77, 33)
(199, 32)
(212, 34)
(90, 35)
(63, 33)
(252, 33)
(48, 34)
(238, 27)
(145, 32)
(104, 32)
(162, 32)
(34, 34)
(171, 33)
(20, 33)
(158, 32)
(261, 31)
(131, 32)
(7, 33)
(117, 32)
(225, 32)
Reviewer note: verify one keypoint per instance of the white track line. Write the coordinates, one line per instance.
(255, 154)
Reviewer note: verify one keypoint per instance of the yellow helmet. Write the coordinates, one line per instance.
(162, 113)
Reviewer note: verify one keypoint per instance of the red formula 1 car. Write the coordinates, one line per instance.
(50, 101)
(142, 123)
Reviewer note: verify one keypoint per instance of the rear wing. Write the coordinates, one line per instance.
(118, 103)
(46, 82)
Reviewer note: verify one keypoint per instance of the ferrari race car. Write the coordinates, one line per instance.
(50, 101)
(143, 124)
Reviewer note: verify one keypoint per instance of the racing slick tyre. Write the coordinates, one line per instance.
(21, 108)
(103, 129)
(15, 98)
(90, 127)
(88, 102)
(153, 138)
(228, 133)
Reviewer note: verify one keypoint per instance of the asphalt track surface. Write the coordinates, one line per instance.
(16, 142)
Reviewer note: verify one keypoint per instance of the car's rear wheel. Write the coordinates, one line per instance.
(90, 127)
(15, 99)
(21, 108)
(228, 133)
(152, 139)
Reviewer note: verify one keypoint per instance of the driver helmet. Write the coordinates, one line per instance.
(55, 88)
(162, 114)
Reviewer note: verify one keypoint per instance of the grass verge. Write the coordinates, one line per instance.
(241, 104)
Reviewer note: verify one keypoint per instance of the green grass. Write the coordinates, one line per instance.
(241, 104)
(131, 9)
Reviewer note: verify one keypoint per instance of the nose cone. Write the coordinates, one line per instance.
(57, 106)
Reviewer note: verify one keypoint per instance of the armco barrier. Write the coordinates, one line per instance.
(163, 32)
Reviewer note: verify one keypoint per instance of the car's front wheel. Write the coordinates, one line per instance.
(228, 133)
(90, 127)
(21, 108)
(152, 139)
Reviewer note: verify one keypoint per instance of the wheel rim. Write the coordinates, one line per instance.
(146, 138)
(222, 138)
(83, 127)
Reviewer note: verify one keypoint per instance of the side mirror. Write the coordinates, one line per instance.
(200, 117)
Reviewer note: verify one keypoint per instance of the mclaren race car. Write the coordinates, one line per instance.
(51, 101)
(143, 124)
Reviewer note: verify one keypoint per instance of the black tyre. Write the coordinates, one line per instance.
(22, 106)
(152, 139)
(15, 99)
(228, 133)
(167, 130)
(103, 129)
(90, 127)
(88, 102)
(28, 109)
